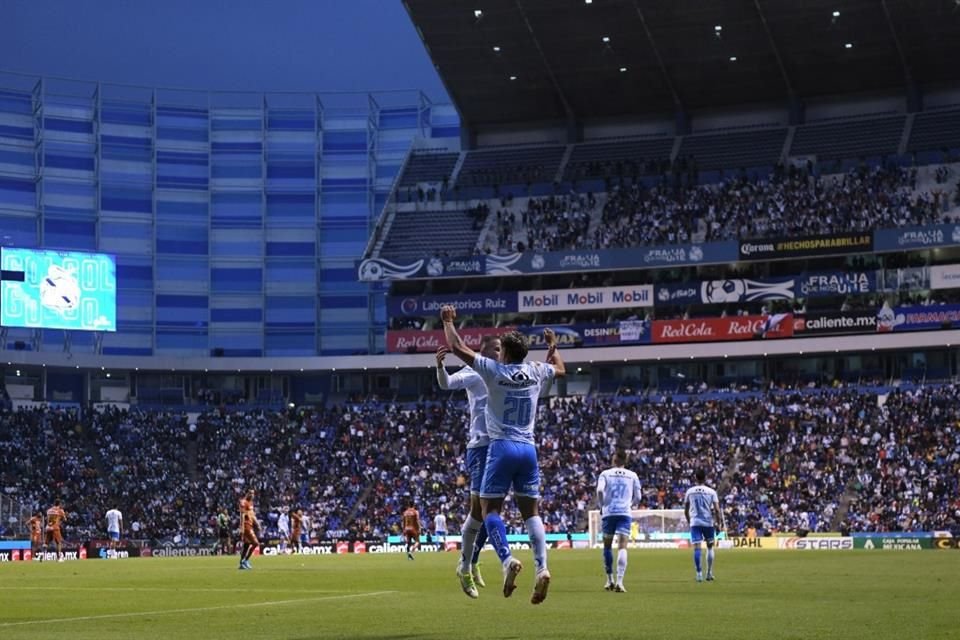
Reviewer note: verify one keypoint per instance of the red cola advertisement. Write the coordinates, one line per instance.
(723, 329)
(414, 341)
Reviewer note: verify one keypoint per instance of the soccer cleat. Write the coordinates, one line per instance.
(609, 585)
(467, 584)
(710, 577)
(409, 556)
(619, 588)
(477, 578)
(510, 572)
(540, 588)
(699, 577)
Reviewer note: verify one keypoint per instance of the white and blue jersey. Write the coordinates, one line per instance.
(513, 392)
(701, 500)
(114, 518)
(618, 490)
(470, 381)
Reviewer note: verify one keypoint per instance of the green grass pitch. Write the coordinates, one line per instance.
(758, 594)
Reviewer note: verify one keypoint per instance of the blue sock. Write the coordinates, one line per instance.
(478, 545)
(696, 557)
(608, 560)
(498, 536)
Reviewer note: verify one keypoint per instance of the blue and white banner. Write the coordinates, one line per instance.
(531, 262)
(837, 283)
(917, 318)
(464, 303)
(728, 251)
(726, 291)
(374, 269)
(450, 267)
(938, 235)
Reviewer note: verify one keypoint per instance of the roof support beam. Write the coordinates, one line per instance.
(571, 118)
(677, 103)
(913, 94)
(791, 94)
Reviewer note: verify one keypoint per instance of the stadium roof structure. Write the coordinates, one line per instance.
(510, 61)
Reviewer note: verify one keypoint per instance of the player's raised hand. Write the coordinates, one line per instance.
(441, 354)
(550, 337)
(448, 313)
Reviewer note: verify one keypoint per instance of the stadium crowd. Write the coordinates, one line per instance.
(788, 460)
(791, 201)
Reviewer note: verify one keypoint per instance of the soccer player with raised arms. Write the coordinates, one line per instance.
(473, 532)
(618, 489)
(701, 507)
(513, 391)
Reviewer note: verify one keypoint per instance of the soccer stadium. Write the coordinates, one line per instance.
(647, 326)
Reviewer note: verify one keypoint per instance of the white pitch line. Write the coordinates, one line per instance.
(195, 609)
(168, 589)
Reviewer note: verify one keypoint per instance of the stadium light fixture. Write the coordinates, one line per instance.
(513, 77)
(848, 45)
(718, 28)
(587, 1)
(733, 58)
(18, 373)
(606, 38)
(496, 49)
(836, 14)
(477, 13)
(623, 69)
(108, 374)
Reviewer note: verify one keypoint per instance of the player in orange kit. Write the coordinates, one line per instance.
(296, 526)
(55, 518)
(411, 529)
(36, 533)
(249, 525)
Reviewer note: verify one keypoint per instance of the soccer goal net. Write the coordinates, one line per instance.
(654, 528)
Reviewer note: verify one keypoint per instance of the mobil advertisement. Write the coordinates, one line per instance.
(414, 341)
(722, 329)
(917, 318)
(836, 283)
(589, 298)
(465, 304)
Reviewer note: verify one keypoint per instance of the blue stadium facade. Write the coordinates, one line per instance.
(236, 218)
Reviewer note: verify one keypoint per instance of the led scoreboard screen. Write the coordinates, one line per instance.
(58, 290)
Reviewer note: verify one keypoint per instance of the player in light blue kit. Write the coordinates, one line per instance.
(701, 507)
(618, 489)
(513, 391)
(474, 534)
